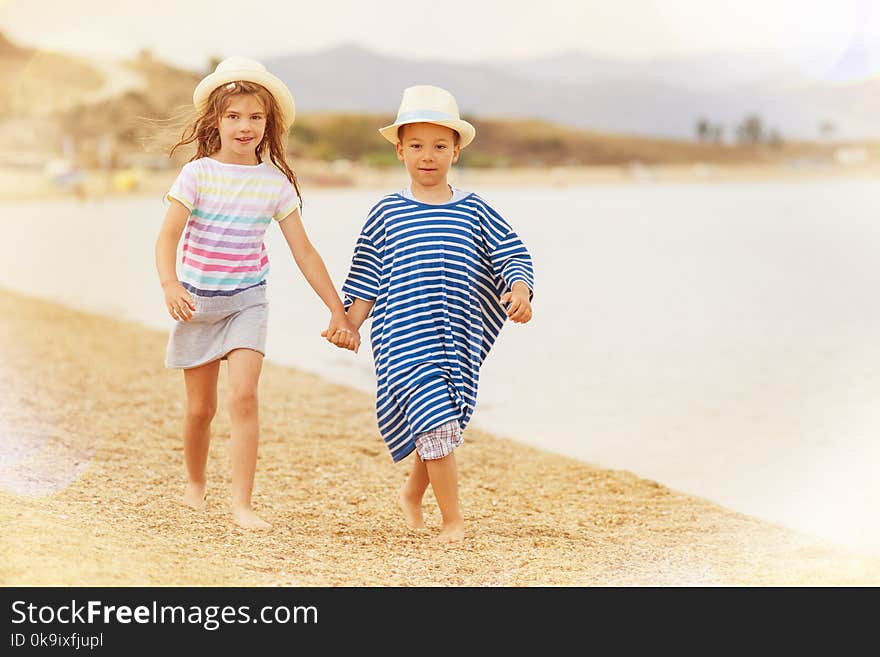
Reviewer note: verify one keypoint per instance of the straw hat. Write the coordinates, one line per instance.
(235, 69)
(426, 104)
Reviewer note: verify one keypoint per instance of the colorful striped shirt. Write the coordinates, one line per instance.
(436, 274)
(231, 206)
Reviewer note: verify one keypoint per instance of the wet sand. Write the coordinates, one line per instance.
(91, 470)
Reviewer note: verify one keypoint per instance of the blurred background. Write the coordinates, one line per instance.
(561, 87)
(696, 180)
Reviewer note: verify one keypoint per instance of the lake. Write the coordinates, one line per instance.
(720, 338)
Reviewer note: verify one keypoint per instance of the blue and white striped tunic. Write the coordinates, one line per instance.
(436, 274)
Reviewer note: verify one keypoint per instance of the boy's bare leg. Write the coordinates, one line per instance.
(244, 375)
(444, 481)
(201, 404)
(409, 498)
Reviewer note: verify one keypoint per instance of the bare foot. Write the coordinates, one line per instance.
(247, 519)
(412, 510)
(451, 532)
(194, 496)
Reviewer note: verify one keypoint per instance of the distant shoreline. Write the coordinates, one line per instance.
(32, 184)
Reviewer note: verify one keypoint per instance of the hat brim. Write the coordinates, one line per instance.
(465, 130)
(274, 85)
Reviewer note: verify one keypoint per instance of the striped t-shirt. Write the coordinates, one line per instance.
(436, 274)
(231, 206)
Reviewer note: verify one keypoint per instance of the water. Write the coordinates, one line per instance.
(719, 338)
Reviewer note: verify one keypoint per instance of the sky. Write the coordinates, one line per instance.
(189, 32)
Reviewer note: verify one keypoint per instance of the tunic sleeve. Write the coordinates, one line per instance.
(363, 276)
(509, 257)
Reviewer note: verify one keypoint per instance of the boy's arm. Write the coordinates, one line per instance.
(359, 311)
(518, 300)
(510, 258)
(362, 284)
(511, 262)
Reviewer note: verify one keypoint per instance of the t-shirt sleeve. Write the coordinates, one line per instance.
(185, 187)
(288, 201)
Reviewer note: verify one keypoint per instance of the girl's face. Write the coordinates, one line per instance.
(242, 125)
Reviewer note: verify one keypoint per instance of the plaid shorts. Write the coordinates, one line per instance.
(439, 442)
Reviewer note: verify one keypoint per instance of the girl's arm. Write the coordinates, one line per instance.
(177, 300)
(358, 311)
(312, 267)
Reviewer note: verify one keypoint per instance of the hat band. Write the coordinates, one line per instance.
(424, 115)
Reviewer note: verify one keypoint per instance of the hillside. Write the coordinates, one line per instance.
(503, 142)
(794, 94)
(55, 102)
(34, 83)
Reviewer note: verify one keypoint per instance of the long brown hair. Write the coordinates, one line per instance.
(203, 129)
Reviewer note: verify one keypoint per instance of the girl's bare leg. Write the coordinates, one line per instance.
(244, 375)
(201, 405)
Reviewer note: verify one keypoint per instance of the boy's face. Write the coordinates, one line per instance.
(427, 150)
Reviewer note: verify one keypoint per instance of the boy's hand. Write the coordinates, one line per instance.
(519, 309)
(178, 301)
(342, 333)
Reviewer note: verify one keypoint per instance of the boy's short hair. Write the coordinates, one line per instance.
(455, 139)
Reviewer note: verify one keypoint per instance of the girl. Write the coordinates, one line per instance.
(225, 198)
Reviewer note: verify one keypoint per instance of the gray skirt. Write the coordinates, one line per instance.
(219, 325)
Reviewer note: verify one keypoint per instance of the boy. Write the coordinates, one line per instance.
(435, 266)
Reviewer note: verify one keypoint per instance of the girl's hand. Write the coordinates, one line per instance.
(342, 333)
(519, 309)
(178, 301)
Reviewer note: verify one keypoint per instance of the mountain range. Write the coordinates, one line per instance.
(661, 97)
(837, 100)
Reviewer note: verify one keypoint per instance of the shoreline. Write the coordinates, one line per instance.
(99, 472)
(31, 184)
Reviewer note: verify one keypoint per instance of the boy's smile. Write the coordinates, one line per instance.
(428, 151)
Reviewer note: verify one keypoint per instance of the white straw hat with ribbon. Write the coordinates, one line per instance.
(427, 104)
(235, 69)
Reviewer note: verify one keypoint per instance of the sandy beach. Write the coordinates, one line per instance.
(92, 471)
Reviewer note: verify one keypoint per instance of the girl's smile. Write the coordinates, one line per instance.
(241, 128)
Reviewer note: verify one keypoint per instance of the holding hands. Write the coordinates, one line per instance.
(342, 332)
(178, 301)
(519, 307)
